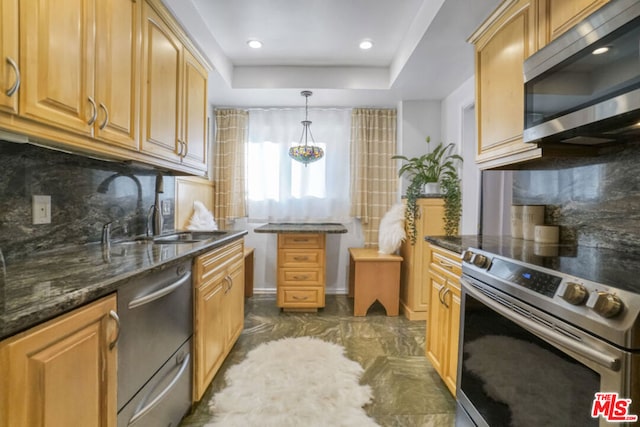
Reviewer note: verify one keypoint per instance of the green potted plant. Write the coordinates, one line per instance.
(437, 167)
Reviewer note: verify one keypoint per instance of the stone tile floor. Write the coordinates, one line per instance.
(407, 390)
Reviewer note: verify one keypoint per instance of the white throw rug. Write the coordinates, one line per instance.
(293, 382)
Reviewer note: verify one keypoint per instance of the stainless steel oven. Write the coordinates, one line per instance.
(538, 345)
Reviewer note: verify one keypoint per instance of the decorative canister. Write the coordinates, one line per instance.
(516, 221)
(532, 215)
(546, 234)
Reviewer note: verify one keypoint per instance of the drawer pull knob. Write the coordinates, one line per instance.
(300, 258)
(300, 240)
(300, 298)
(304, 277)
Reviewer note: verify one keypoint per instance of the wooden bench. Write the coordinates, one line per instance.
(248, 272)
(374, 276)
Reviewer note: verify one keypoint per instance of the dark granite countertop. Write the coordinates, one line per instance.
(302, 227)
(47, 284)
(455, 244)
(616, 268)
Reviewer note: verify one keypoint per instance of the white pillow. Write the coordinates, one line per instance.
(391, 233)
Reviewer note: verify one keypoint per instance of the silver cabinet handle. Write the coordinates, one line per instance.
(106, 116)
(159, 293)
(445, 264)
(148, 407)
(186, 148)
(444, 294)
(115, 317)
(229, 284)
(94, 115)
(440, 294)
(16, 85)
(603, 359)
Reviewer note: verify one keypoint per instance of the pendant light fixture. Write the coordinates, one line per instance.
(308, 152)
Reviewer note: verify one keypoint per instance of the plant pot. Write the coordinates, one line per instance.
(431, 188)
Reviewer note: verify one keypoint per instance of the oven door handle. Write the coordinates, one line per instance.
(159, 293)
(610, 362)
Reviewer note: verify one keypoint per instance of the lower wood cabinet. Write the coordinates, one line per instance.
(218, 310)
(62, 372)
(301, 271)
(414, 294)
(443, 323)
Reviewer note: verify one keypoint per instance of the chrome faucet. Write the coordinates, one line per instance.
(155, 220)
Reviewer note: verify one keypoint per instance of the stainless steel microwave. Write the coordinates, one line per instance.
(584, 87)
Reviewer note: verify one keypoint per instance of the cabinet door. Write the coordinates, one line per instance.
(234, 303)
(62, 373)
(162, 56)
(210, 334)
(500, 53)
(57, 63)
(451, 360)
(436, 324)
(194, 118)
(9, 68)
(557, 16)
(117, 73)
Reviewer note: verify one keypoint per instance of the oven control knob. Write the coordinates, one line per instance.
(605, 304)
(574, 293)
(466, 257)
(481, 261)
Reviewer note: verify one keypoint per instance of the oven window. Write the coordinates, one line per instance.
(515, 379)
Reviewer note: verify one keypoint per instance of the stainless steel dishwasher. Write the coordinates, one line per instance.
(154, 351)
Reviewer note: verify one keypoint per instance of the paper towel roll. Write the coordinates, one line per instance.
(516, 221)
(546, 233)
(532, 215)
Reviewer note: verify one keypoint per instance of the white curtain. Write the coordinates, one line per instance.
(281, 189)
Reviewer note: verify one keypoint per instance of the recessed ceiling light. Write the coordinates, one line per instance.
(600, 50)
(254, 44)
(366, 44)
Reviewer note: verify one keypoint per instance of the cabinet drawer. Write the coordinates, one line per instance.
(209, 264)
(446, 260)
(300, 276)
(301, 240)
(300, 257)
(300, 297)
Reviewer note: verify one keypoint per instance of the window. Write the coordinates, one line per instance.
(281, 189)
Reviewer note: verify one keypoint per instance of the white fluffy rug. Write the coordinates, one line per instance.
(293, 382)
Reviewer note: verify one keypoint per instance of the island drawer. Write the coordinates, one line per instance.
(301, 240)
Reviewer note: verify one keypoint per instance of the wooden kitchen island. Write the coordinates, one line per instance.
(301, 263)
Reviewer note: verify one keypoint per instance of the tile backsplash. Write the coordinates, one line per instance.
(595, 201)
(85, 194)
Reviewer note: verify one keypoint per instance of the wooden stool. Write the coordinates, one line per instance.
(374, 276)
(248, 272)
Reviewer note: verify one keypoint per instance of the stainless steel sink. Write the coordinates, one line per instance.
(189, 236)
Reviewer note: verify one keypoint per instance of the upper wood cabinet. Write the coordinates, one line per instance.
(162, 89)
(174, 96)
(194, 113)
(556, 16)
(80, 67)
(9, 69)
(118, 71)
(63, 372)
(57, 43)
(501, 46)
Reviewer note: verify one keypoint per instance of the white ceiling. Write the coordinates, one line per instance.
(420, 49)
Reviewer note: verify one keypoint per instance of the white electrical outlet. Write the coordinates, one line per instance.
(41, 208)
